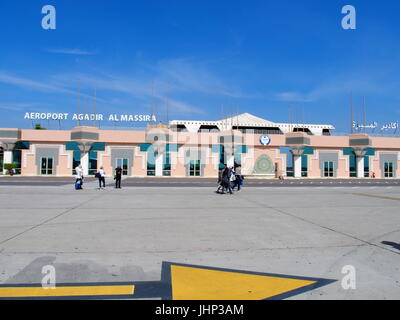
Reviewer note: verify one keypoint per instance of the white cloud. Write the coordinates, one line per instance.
(176, 79)
(182, 75)
(342, 85)
(16, 106)
(28, 83)
(292, 96)
(140, 88)
(36, 85)
(71, 51)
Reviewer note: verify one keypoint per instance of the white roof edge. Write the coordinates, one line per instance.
(250, 120)
(324, 126)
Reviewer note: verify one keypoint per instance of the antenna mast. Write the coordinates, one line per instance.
(365, 116)
(78, 102)
(351, 113)
(94, 107)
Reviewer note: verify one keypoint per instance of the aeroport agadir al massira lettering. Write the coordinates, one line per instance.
(181, 148)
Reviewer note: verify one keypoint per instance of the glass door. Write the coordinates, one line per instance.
(195, 168)
(167, 164)
(46, 167)
(93, 163)
(304, 165)
(1, 159)
(388, 170)
(328, 169)
(124, 164)
(353, 168)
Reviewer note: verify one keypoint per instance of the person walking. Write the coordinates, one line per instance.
(101, 176)
(79, 177)
(221, 188)
(232, 177)
(238, 178)
(226, 180)
(118, 177)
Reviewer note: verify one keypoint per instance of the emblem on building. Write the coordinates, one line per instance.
(265, 140)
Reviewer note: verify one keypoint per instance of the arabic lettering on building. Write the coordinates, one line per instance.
(394, 125)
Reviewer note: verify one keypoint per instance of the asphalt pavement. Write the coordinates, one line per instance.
(198, 182)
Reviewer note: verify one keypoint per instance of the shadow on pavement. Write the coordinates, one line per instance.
(393, 244)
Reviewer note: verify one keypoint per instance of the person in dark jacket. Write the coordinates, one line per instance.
(118, 177)
(221, 188)
(226, 180)
(238, 178)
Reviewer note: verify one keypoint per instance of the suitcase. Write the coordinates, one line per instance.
(78, 185)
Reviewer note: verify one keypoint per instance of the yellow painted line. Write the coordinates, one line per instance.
(375, 196)
(203, 284)
(38, 292)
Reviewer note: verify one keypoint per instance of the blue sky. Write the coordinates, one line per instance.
(261, 57)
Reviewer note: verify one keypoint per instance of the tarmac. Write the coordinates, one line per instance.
(197, 182)
(120, 235)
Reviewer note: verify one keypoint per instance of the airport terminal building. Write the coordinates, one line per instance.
(201, 148)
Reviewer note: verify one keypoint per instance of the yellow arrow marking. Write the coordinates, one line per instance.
(38, 292)
(189, 283)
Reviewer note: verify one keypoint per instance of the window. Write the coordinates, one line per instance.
(167, 164)
(237, 159)
(289, 165)
(123, 163)
(259, 130)
(304, 165)
(195, 168)
(328, 169)
(366, 167)
(222, 157)
(17, 154)
(151, 164)
(326, 132)
(46, 166)
(92, 163)
(76, 160)
(1, 159)
(388, 169)
(352, 164)
(208, 128)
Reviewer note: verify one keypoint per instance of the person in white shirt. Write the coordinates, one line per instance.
(101, 175)
(79, 175)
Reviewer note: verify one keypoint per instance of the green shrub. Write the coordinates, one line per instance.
(9, 166)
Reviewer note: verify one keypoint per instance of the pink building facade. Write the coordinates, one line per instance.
(163, 151)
